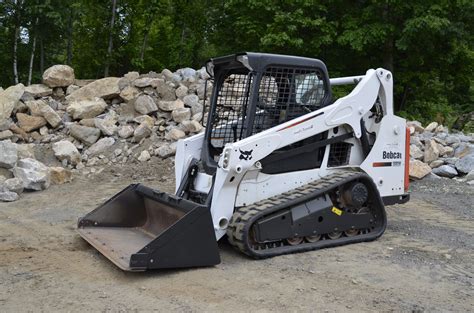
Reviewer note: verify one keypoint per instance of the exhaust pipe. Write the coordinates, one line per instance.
(141, 228)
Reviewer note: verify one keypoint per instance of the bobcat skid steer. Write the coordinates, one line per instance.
(281, 168)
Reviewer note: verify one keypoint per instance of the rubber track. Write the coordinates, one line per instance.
(244, 217)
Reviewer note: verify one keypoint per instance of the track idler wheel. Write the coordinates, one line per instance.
(294, 241)
(312, 239)
(335, 235)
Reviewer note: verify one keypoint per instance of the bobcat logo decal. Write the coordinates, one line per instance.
(245, 155)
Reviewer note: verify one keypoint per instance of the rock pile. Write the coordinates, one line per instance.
(437, 152)
(90, 123)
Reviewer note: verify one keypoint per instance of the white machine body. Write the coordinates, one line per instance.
(239, 182)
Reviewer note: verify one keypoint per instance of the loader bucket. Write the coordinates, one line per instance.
(141, 228)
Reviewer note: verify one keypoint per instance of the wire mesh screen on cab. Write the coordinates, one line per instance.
(284, 93)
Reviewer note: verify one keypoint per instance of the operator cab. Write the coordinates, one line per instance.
(253, 92)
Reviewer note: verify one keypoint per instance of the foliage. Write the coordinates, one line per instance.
(427, 44)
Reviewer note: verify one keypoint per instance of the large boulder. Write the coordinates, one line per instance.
(66, 150)
(100, 146)
(145, 104)
(8, 154)
(59, 76)
(466, 164)
(431, 151)
(30, 123)
(445, 171)
(87, 135)
(34, 174)
(105, 88)
(9, 99)
(86, 108)
(418, 169)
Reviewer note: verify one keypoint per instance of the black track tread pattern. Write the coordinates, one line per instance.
(244, 217)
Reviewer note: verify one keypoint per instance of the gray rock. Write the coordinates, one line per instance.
(431, 151)
(145, 119)
(171, 105)
(181, 91)
(142, 131)
(436, 163)
(418, 169)
(466, 164)
(431, 127)
(416, 152)
(144, 156)
(38, 90)
(58, 76)
(187, 73)
(33, 174)
(166, 150)
(87, 135)
(470, 175)
(125, 131)
(181, 114)
(86, 108)
(451, 161)
(145, 104)
(175, 134)
(166, 92)
(148, 81)
(51, 116)
(129, 93)
(105, 88)
(194, 126)
(463, 149)
(416, 125)
(7, 195)
(6, 134)
(8, 154)
(26, 151)
(14, 185)
(30, 123)
(452, 139)
(426, 136)
(445, 171)
(106, 125)
(71, 89)
(66, 150)
(100, 146)
(9, 98)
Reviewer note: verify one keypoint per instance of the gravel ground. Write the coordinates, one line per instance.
(423, 262)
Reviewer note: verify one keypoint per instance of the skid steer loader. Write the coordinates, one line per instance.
(280, 168)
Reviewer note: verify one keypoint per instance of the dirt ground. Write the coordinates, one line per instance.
(423, 262)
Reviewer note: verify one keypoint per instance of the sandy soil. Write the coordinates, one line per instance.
(424, 261)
